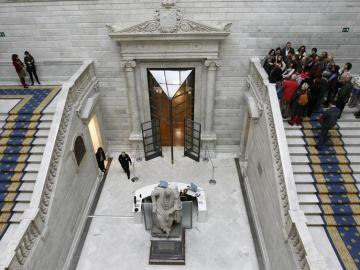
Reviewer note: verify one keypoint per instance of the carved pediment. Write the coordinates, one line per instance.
(168, 21)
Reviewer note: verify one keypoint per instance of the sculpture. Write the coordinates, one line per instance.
(166, 208)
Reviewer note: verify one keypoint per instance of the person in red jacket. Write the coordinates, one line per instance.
(289, 89)
(19, 67)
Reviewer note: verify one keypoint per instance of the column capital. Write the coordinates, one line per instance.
(130, 65)
(212, 64)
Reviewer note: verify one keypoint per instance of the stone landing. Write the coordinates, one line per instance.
(223, 242)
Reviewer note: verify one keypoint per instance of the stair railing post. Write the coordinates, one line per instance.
(207, 157)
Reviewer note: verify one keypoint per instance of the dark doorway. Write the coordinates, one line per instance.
(171, 93)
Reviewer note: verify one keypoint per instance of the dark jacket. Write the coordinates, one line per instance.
(29, 62)
(275, 75)
(291, 50)
(345, 91)
(100, 157)
(124, 160)
(329, 118)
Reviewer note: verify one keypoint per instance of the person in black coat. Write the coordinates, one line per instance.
(327, 120)
(30, 67)
(286, 50)
(100, 158)
(125, 160)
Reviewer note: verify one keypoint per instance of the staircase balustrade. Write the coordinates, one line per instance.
(33, 223)
(294, 222)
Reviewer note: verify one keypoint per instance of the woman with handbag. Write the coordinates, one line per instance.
(19, 67)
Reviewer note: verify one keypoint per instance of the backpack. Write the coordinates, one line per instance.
(303, 99)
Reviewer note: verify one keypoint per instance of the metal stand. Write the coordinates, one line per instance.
(206, 158)
(136, 158)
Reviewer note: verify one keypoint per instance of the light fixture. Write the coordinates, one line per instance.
(157, 89)
(189, 90)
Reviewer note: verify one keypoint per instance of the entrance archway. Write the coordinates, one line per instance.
(171, 96)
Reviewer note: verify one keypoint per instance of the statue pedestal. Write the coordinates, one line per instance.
(168, 252)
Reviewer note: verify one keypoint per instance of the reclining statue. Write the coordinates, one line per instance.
(166, 208)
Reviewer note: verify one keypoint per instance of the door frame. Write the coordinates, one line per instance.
(143, 91)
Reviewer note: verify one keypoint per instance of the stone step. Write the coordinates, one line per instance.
(310, 209)
(42, 125)
(24, 197)
(303, 168)
(18, 207)
(308, 178)
(44, 118)
(313, 199)
(21, 197)
(351, 125)
(347, 141)
(16, 218)
(22, 187)
(301, 150)
(21, 206)
(314, 220)
(29, 177)
(41, 133)
(309, 188)
(10, 158)
(36, 149)
(27, 187)
(35, 142)
(304, 159)
(345, 133)
(30, 167)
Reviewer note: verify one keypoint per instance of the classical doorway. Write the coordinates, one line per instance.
(171, 95)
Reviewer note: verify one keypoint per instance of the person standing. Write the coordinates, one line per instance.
(286, 50)
(299, 105)
(100, 158)
(344, 93)
(30, 67)
(327, 120)
(125, 160)
(19, 67)
(289, 90)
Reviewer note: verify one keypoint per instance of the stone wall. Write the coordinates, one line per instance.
(72, 30)
(264, 187)
(70, 198)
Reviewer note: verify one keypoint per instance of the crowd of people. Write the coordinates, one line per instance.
(308, 82)
(29, 66)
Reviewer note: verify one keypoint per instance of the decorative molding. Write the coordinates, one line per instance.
(212, 64)
(166, 21)
(130, 65)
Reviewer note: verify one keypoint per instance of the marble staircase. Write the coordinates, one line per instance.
(22, 166)
(349, 130)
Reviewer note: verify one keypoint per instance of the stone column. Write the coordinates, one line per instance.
(133, 103)
(210, 95)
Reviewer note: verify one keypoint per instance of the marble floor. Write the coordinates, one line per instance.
(223, 242)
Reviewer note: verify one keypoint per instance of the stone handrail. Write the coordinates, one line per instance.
(294, 221)
(33, 223)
